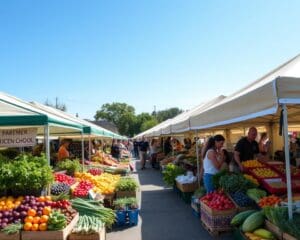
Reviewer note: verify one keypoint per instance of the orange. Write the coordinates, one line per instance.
(48, 198)
(41, 199)
(31, 212)
(27, 226)
(36, 219)
(28, 219)
(35, 227)
(44, 219)
(43, 227)
(46, 210)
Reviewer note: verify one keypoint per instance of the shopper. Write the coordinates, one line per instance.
(167, 146)
(144, 147)
(153, 152)
(211, 164)
(187, 143)
(264, 144)
(136, 149)
(63, 151)
(115, 149)
(246, 148)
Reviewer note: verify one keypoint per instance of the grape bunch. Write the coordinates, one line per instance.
(58, 188)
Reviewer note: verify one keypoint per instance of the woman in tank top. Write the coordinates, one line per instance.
(211, 164)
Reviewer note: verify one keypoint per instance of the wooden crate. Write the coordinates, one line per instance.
(51, 235)
(122, 194)
(188, 187)
(216, 221)
(286, 236)
(16, 236)
(101, 235)
(274, 229)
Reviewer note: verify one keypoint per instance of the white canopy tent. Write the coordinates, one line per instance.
(263, 102)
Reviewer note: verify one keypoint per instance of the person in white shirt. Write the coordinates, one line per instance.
(211, 164)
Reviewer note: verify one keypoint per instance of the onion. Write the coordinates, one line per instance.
(16, 214)
(3, 225)
(4, 220)
(23, 214)
(42, 204)
(0, 215)
(5, 213)
(27, 198)
(39, 212)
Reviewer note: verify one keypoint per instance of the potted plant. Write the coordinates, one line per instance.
(120, 208)
(126, 187)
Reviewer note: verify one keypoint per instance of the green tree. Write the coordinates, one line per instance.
(143, 118)
(148, 124)
(121, 114)
(166, 114)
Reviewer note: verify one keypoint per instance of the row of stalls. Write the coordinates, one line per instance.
(68, 200)
(271, 104)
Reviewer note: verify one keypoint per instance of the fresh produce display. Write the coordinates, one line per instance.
(37, 218)
(254, 221)
(279, 216)
(235, 183)
(264, 233)
(61, 204)
(95, 171)
(126, 184)
(12, 228)
(85, 207)
(260, 234)
(8, 203)
(56, 221)
(69, 212)
(251, 179)
(71, 166)
(82, 189)
(88, 225)
(58, 188)
(123, 203)
(271, 200)
(264, 173)
(26, 174)
(239, 218)
(242, 199)
(171, 172)
(216, 178)
(256, 194)
(281, 169)
(252, 164)
(63, 178)
(106, 183)
(105, 159)
(217, 200)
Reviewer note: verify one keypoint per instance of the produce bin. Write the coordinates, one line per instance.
(279, 189)
(101, 235)
(259, 178)
(274, 229)
(16, 236)
(121, 217)
(217, 220)
(133, 216)
(122, 194)
(188, 187)
(286, 236)
(51, 235)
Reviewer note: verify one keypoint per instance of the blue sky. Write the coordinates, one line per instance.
(144, 53)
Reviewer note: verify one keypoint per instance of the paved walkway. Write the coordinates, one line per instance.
(163, 215)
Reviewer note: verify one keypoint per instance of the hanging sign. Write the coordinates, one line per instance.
(21, 137)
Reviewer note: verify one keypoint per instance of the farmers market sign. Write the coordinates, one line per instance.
(21, 137)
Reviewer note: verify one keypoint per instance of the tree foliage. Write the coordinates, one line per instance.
(129, 124)
(121, 114)
(166, 114)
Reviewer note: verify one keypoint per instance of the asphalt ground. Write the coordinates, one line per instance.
(163, 214)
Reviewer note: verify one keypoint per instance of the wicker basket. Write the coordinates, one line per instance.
(217, 220)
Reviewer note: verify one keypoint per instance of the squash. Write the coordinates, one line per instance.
(254, 221)
(239, 218)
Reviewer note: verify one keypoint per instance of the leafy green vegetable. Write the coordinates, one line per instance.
(126, 184)
(12, 228)
(256, 194)
(216, 178)
(71, 166)
(235, 183)
(171, 172)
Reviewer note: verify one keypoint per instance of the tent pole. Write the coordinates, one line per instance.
(287, 160)
(198, 164)
(47, 142)
(82, 151)
(90, 148)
